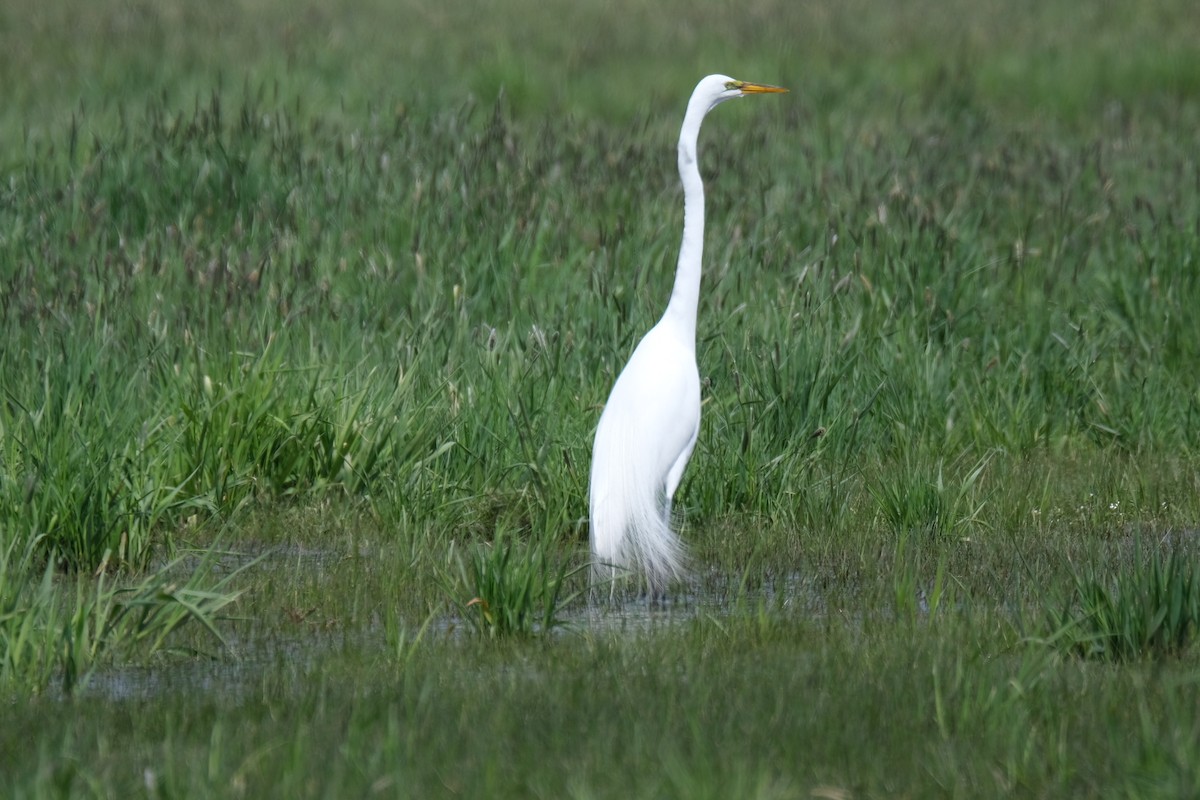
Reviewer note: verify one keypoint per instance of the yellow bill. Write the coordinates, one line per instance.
(758, 88)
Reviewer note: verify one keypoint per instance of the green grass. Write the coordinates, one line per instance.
(1149, 608)
(66, 631)
(515, 587)
(341, 289)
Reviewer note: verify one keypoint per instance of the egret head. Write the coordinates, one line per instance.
(719, 88)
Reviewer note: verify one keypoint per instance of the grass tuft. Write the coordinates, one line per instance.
(516, 588)
(65, 630)
(1148, 608)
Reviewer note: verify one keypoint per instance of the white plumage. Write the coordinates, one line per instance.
(650, 423)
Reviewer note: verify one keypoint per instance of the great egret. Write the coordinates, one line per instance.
(650, 422)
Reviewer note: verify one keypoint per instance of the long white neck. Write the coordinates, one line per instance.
(685, 297)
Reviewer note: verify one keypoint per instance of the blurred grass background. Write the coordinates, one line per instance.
(1020, 61)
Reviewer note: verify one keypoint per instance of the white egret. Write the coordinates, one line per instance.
(650, 422)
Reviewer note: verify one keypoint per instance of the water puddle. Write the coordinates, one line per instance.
(238, 668)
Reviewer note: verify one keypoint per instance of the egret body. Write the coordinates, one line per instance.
(649, 425)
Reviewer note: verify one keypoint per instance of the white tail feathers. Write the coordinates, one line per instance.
(631, 518)
(643, 443)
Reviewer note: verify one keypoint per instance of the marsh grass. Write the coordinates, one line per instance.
(1149, 607)
(63, 630)
(516, 587)
(346, 287)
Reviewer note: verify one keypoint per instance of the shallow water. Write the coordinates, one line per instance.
(238, 668)
(713, 597)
